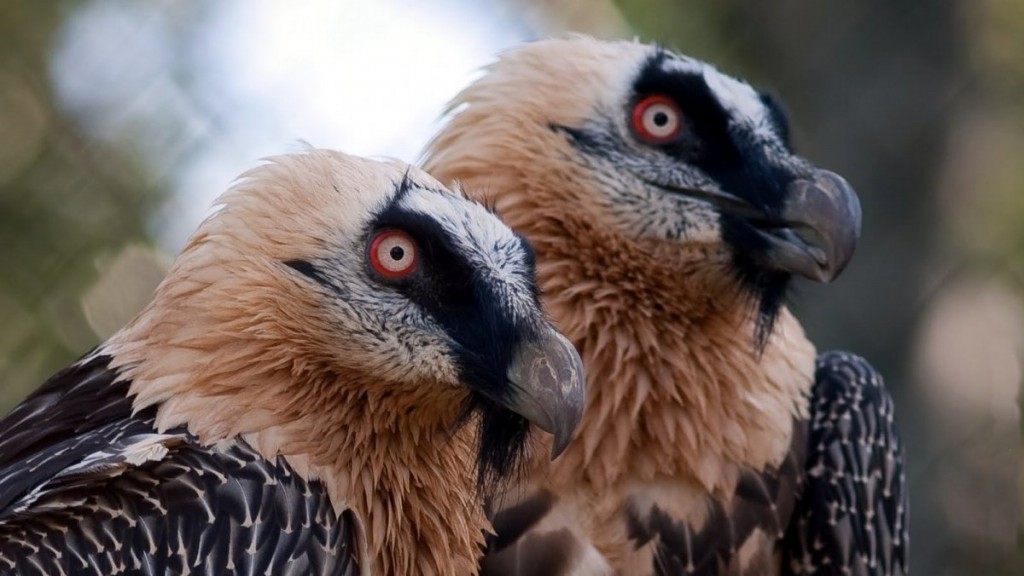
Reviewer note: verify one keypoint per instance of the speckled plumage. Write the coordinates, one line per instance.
(113, 496)
(853, 512)
(666, 264)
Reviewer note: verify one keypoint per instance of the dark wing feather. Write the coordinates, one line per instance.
(56, 426)
(762, 504)
(76, 399)
(852, 516)
(513, 551)
(96, 490)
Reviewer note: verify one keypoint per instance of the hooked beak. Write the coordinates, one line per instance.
(815, 233)
(546, 375)
(818, 229)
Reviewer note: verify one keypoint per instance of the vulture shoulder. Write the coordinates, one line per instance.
(85, 485)
(851, 516)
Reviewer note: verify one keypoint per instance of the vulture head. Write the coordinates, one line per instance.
(333, 300)
(659, 149)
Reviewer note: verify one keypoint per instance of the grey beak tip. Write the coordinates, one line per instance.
(562, 440)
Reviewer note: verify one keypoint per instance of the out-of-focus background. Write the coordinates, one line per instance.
(121, 121)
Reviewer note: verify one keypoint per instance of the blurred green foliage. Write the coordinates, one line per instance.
(996, 49)
(65, 200)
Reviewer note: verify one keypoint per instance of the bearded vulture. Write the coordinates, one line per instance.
(669, 215)
(341, 363)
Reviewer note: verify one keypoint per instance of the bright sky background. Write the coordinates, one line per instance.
(203, 90)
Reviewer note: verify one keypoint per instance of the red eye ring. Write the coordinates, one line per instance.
(392, 254)
(657, 119)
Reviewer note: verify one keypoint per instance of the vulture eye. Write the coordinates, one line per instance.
(392, 254)
(657, 119)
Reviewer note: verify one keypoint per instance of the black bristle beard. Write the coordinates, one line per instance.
(766, 288)
(770, 296)
(502, 437)
(767, 291)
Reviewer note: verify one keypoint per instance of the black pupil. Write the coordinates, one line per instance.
(396, 253)
(660, 119)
